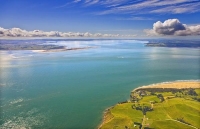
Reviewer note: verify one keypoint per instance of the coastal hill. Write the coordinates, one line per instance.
(169, 105)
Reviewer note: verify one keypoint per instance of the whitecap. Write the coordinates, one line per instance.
(25, 120)
(18, 57)
(121, 57)
(15, 101)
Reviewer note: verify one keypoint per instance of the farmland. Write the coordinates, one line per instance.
(156, 108)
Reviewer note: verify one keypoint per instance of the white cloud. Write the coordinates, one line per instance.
(150, 32)
(17, 32)
(140, 6)
(91, 2)
(137, 7)
(136, 18)
(185, 8)
(173, 27)
(76, 1)
(151, 6)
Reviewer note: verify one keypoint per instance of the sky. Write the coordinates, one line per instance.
(96, 18)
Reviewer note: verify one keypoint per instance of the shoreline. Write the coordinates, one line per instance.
(196, 85)
(179, 84)
(104, 120)
(59, 50)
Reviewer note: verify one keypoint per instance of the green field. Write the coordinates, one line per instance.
(177, 110)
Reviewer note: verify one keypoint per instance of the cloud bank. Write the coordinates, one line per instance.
(173, 27)
(17, 32)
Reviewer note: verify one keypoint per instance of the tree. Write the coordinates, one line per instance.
(192, 92)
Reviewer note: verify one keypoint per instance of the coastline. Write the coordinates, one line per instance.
(59, 50)
(104, 116)
(181, 84)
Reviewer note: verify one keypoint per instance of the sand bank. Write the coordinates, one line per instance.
(176, 85)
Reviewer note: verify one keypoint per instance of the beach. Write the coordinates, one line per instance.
(176, 85)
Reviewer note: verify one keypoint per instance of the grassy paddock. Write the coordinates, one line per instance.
(178, 109)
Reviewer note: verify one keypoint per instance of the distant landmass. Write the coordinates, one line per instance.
(22, 46)
(34, 45)
(173, 43)
(38, 44)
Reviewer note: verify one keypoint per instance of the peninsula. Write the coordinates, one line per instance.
(36, 47)
(174, 43)
(169, 105)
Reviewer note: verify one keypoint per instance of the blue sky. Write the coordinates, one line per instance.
(127, 17)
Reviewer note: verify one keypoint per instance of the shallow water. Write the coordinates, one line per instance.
(71, 89)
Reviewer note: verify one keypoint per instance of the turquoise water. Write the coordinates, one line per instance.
(71, 89)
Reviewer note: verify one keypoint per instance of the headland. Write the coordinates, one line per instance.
(157, 106)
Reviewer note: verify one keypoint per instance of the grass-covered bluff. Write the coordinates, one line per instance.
(162, 106)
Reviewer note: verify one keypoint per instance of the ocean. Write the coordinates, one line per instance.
(71, 89)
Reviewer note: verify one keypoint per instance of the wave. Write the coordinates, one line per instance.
(169, 82)
(15, 101)
(120, 57)
(25, 120)
(17, 57)
(6, 84)
(2, 84)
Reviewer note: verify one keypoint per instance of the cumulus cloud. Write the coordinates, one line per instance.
(173, 27)
(169, 27)
(17, 32)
